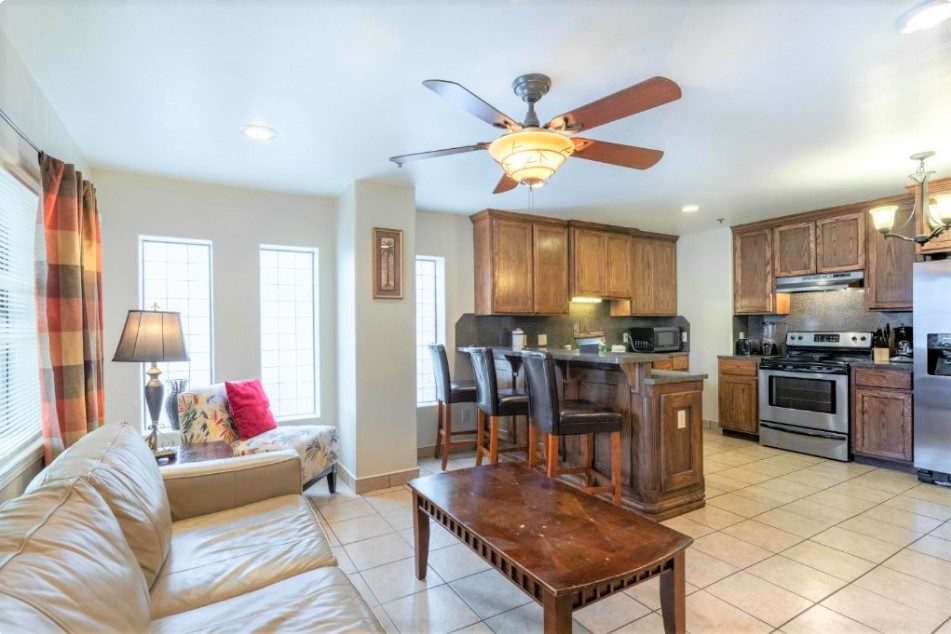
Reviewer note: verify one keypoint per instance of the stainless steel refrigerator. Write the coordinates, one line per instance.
(932, 336)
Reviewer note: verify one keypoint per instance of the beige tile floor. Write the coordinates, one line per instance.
(786, 543)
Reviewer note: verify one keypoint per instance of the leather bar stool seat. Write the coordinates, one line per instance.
(494, 403)
(569, 418)
(448, 392)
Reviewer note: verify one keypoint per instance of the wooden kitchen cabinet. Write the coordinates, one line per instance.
(653, 289)
(588, 262)
(794, 249)
(840, 242)
(739, 395)
(550, 267)
(889, 263)
(680, 363)
(754, 290)
(617, 273)
(521, 264)
(882, 421)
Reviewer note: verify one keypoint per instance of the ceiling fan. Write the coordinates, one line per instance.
(530, 153)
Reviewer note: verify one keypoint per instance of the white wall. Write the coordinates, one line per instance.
(237, 221)
(376, 337)
(24, 102)
(705, 298)
(448, 236)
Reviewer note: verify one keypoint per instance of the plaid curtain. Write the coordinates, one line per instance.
(69, 306)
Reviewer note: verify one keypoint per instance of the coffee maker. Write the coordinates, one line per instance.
(904, 343)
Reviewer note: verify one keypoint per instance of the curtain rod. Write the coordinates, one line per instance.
(6, 117)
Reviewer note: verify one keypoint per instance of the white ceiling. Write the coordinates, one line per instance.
(787, 105)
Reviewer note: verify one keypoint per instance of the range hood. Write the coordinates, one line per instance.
(823, 282)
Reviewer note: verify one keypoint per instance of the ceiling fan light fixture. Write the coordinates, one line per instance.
(531, 155)
(689, 209)
(924, 15)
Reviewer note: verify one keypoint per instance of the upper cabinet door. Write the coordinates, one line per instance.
(840, 243)
(512, 270)
(794, 249)
(889, 270)
(753, 272)
(551, 269)
(664, 253)
(588, 247)
(618, 268)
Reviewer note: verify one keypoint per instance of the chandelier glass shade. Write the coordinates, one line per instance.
(531, 155)
(940, 211)
(883, 217)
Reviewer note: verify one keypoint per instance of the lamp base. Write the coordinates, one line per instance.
(154, 395)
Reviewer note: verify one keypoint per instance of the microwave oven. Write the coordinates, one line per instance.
(666, 339)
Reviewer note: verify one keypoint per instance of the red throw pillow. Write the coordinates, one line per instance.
(250, 408)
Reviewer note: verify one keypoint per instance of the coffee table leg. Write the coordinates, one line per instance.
(557, 614)
(420, 537)
(672, 597)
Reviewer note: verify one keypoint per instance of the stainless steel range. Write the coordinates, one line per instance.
(804, 396)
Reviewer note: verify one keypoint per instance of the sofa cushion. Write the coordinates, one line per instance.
(250, 409)
(65, 565)
(204, 416)
(219, 556)
(317, 445)
(122, 469)
(321, 600)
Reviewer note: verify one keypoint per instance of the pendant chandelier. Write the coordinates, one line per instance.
(937, 216)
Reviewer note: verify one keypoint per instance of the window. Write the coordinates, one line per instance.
(430, 327)
(176, 275)
(288, 330)
(19, 364)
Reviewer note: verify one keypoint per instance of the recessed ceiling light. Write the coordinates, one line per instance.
(258, 132)
(924, 15)
(689, 209)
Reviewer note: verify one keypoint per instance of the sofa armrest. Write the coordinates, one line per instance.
(207, 487)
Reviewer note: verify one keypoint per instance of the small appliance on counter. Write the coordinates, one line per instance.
(743, 346)
(904, 345)
(770, 347)
(519, 339)
(589, 341)
(660, 339)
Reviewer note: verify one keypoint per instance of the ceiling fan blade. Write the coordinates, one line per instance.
(464, 98)
(639, 158)
(505, 184)
(406, 158)
(648, 94)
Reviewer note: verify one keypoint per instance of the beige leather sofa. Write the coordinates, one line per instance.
(102, 541)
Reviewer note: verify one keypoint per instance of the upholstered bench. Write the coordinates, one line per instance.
(205, 417)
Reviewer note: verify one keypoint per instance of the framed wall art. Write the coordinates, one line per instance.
(387, 263)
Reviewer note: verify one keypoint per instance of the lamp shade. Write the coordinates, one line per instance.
(941, 210)
(884, 217)
(531, 155)
(151, 335)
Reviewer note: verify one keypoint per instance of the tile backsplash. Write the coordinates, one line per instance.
(496, 330)
(827, 310)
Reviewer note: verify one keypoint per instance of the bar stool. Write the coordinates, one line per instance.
(570, 418)
(447, 393)
(494, 403)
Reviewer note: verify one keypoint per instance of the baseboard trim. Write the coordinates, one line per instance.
(376, 482)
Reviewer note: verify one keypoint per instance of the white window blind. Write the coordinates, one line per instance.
(19, 363)
(176, 275)
(429, 323)
(288, 330)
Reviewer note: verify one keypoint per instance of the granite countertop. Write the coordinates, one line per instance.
(672, 376)
(884, 365)
(611, 358)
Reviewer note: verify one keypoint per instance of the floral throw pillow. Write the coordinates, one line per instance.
(204, 416)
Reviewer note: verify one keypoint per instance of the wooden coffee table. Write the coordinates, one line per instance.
(563, 548)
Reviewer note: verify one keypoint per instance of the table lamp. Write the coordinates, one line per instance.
(151, 336)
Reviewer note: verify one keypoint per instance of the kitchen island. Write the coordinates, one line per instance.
(662, 433)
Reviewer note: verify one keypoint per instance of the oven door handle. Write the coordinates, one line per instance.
(805, 375)
(817, 434)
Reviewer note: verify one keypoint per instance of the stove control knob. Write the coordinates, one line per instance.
(863, 337)
(854, 338)
(799, 337)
